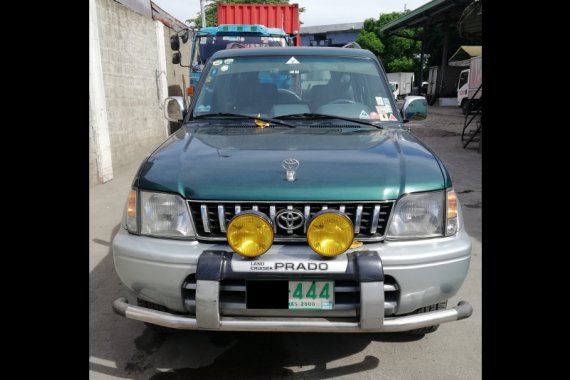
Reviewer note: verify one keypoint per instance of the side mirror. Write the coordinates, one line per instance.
(184, 37)
(176, 57)
(174, 108)
(415, 108)
(175, 42)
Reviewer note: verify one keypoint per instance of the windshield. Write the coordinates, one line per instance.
(207, 46)
(278, 86)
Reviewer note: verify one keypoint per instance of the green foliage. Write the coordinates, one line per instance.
(397, 53)
(402, 54)
(370, 41)
(211, 9)
(403, 64)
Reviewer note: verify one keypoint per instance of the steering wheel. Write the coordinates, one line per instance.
(288, 95)
(235, 45)
(343, 101)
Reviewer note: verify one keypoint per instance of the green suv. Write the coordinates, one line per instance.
(293, 199)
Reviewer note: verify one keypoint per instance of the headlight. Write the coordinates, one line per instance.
(418, 216)
(164, 215)
(250, 233)
(330, 233)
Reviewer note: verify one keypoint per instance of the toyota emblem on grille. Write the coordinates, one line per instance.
(290, 165)
(290, 219)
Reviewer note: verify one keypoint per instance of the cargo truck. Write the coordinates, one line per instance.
(469, 82)
(401, 84)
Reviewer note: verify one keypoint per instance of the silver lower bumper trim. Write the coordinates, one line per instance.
(410, 322)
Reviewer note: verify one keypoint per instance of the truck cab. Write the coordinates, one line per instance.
(463, 88)
(395, 89)
(209, 40)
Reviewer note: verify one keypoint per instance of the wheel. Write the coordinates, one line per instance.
(429, 329)
(343, 101)
(465, 106)
(153, 306)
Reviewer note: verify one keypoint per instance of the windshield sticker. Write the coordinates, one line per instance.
(292, 61)
(224, 68)
(392, 117)
(384, 109)
(386, 101)
(217, 62)
(202, 108)
(293, 71)
(379, 101)
(363, 115)
(374, 115)
(383, 116)
(228, 61)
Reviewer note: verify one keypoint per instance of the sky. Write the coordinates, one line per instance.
(318, 12)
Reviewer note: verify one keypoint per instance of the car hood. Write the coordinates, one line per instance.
(335, 163)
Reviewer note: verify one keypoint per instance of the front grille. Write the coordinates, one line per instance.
(211, 218)
(233, 299)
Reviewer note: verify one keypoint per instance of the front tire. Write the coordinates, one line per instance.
(429, 329)
(465, 106)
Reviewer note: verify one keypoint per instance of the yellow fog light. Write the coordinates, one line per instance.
(330, 233)
(250, 233)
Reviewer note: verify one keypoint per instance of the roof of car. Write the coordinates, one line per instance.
(294, 51)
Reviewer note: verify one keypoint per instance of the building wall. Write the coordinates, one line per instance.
(128, 44)
(92, 154)
(337, 38)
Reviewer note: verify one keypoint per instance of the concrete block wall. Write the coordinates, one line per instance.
(130, 68)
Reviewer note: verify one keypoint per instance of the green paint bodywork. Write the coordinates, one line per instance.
(233, 160)
(228, 162)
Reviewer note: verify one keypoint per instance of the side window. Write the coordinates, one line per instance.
(462, 79)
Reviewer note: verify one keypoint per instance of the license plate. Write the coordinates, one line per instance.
(311, 295)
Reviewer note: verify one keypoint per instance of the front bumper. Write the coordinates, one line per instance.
(461, 311)
(427, 272)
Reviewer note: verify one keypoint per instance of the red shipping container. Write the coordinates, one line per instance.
(284, 16)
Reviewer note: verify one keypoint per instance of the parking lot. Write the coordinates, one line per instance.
(126, 349)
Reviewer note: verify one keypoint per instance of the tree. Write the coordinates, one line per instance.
(211, 9)
(403, 54)
(396, 53)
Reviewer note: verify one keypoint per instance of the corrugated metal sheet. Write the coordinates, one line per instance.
(331, 28)
(466, 52)
(284, 16)
(432, 13)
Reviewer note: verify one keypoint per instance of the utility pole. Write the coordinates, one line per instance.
(203, 14)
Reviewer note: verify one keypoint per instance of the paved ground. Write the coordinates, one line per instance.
(124, 349)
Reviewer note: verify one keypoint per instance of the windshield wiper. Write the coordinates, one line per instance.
(324, 116)
(263, 119)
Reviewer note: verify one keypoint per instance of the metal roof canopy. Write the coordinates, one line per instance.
(435, 12)
(432, 13)
(464, 54)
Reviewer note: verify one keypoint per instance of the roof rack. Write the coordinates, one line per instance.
(353, 45)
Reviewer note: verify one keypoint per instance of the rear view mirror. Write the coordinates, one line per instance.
(174, 42)
(185, 36)
(174, 108)
(415, 108)
(176, 57)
